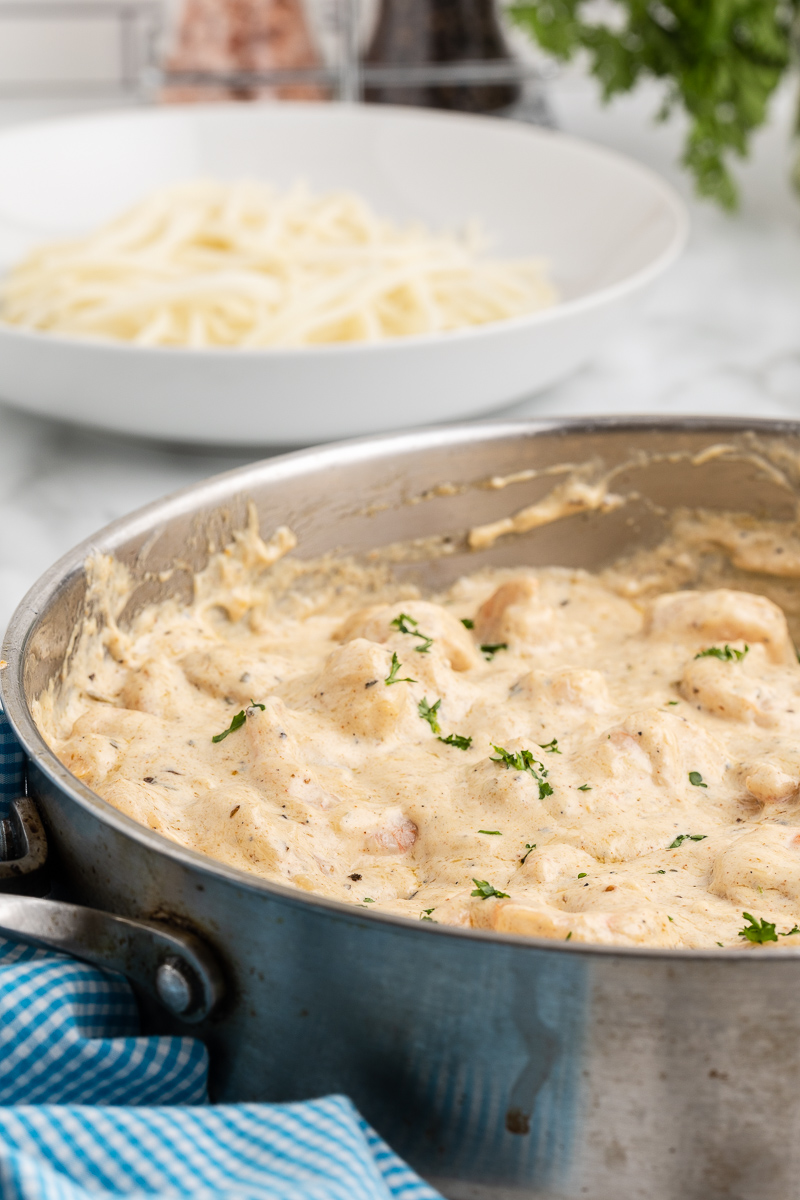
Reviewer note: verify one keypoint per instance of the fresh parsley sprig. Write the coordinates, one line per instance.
(523, 760)
(485, 890)
(393, 677)
(528, 847)
(721, 63)
(696, 779)
(455, 739)
(551, 747)
(402, 623)
(428, 713)
(238, 721)
(686, 837)
(489, 649)
(725, 653)
(761, 931)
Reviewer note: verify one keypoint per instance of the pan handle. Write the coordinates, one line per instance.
(173, 966)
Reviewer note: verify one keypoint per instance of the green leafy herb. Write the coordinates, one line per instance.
(669, 918)
(467, 622)
(658, 872)
(392, 677)
(489, 649)
(569, 935)
(582, 874)
(425, 915)
(758, 932)
(721, 63)
(523, 760)
(696, 779)
(528, 847)
(673, 702)
(368, 900)
(491, 832)
(584, 788)
(719, 943)
(455, 739)
(238, 721)
(551, 747)
(428, 713)
(402, 623)
(763, 931)
(686, 837)
(485, 890)
(726, 654)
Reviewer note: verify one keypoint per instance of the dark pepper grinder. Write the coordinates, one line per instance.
(440, 31)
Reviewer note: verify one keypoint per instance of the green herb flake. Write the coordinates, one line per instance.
(582, 875)
(696, 779)
(719, 943)
(585, 787)
(393, 677)
(569, 935)
(425, 915)
(673, 702)
(669, 918)
(528, 847)
(238, 721)
(686, 837)
(658, 872)
(368, 900)
(726, 654)
(403, 623)
(428, 713)
(758, 931)
(485, 890)
(489, 649)
(523, 760)
(455, 739)
(551, 747)
(491, 832)
(467, 622)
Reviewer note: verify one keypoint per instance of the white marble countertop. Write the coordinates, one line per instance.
(719, 335)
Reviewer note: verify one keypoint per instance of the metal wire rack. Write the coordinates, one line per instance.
(140, 26)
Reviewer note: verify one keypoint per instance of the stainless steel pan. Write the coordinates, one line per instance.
(499, 1066)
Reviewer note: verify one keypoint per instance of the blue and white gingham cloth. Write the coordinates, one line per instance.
(90, 1109)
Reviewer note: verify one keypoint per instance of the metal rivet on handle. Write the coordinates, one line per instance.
(174, 987)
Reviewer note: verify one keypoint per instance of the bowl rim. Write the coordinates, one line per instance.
(672, 203)
(284, 466)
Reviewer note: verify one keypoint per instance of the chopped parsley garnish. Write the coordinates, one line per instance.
(523, 760)
(467, 622)
(368, 900)
(686, 837)
(528, 847)
(455, 739)
(392, 677)
(673, 702)
(489, 649)
(402, 623)
(425, 915)
(726, 654)
(485, 890)
(569, 935)
(762, 931)
(696, 779)
(491, 832)
(585, 787)
(658, 872)
(428, 713)
(582, 874)
(551, 747)
(238, 721)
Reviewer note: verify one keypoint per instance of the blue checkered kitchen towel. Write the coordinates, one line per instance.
(88, 1108)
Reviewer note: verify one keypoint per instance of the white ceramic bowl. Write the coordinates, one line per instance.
(606, 225)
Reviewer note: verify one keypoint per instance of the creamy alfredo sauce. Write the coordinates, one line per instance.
(601, 759)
